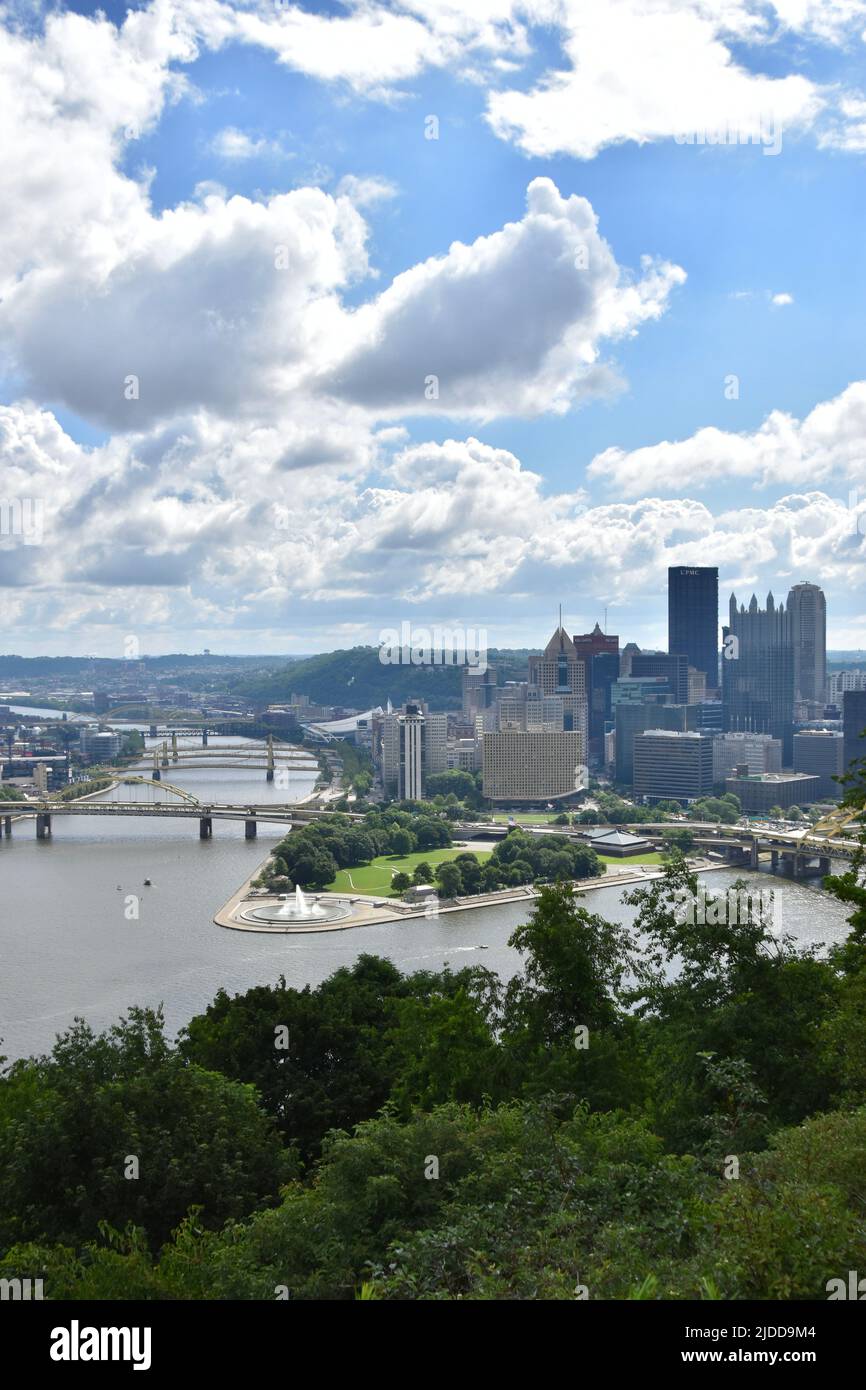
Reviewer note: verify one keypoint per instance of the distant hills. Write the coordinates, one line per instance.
(357, 679)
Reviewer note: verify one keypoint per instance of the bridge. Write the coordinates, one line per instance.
(231, 755)
(187, 807)
(800, 854)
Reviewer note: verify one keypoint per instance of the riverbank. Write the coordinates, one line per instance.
(371, 909)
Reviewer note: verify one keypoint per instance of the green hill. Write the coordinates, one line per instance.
(357, 679)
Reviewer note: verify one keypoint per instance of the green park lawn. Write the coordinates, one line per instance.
(652, 858)
(375, 877)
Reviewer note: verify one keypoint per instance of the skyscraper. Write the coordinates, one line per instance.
(758, 672)
(414, 745)
(693, 617)
(853, 725)
(599, 652)
(808, 611)
(674, 668)
(559, 671)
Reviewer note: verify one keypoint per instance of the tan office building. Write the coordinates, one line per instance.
(532, 765)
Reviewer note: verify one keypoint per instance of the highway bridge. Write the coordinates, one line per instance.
(231, 755)
(186, 807)
(800, 853)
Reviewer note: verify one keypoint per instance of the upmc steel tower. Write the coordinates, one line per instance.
(693, 617)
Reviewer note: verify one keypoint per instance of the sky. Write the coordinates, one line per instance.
(316, 320)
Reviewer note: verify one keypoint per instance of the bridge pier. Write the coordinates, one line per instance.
(43, 826)
(164, 758)
(204, 738)
(156, 774)
(754, 861)
(174, 748)
(250, 829)
(151, 733)
(269, 775)
(7, 824)
(205, 828)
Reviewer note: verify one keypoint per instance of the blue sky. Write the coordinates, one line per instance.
(488, 513)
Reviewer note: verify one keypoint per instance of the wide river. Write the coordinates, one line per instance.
(67, 948)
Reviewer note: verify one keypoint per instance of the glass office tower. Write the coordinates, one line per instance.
(693, 617)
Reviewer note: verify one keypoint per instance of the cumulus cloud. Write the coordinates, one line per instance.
(206, 528)
(644, 71)
(827, 443)
(512, 324)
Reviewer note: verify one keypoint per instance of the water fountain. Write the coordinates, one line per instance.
(298, 910)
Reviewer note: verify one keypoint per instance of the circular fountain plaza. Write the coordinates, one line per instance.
(298, 910)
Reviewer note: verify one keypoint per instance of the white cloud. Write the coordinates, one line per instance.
(779, 301)
(645, 70)
(233, 144)
(211, 528)
(827, 444)
(511, 325)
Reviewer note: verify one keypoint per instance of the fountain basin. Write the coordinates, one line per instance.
(298, 911)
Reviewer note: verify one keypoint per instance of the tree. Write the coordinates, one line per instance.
(401, 842)
(400, 882)
(680, 839)
(100, 1104)
(470, 872)
(333, 1069)
(575, 962)
(449, 879)
(314, 868)
(422, 873)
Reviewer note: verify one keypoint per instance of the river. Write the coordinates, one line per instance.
(67, 947)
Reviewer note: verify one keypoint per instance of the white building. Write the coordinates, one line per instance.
(759, 752)
(414, 745)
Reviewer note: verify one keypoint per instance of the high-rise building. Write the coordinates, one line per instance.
(633, 719)
(531, 765)
(559, 671)
(604, 671)
(783, 789)
(414, 745)
(820, 751)
(588, 644)
(479, 690)
(599, 652)
(840, 681)
(807, 609)
(758, 752)
(672, 764)
(693, 617)
(673, 667)
(626, 657)
(853, 726)
(758, 672)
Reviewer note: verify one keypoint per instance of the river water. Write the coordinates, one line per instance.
(67, 947)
